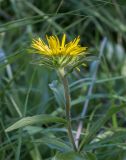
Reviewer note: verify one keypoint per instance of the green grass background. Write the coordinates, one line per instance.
(28, 90)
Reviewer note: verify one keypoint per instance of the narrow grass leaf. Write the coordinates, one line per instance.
(97, 125)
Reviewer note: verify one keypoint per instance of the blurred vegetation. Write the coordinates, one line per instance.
(29, 90)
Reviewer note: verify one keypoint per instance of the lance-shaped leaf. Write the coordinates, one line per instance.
(38, 119)
(54, 143)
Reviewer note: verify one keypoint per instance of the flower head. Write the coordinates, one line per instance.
(58, 53)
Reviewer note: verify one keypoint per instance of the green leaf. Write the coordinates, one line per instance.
(35, 120)
(97, 125)
(108, 139)
(90, 156)
(20, 22)
(54, 143)
(58, 92)
(68, 156)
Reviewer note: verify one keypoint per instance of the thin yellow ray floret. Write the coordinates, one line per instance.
(41, 47)
(55, 47)
(63, 40)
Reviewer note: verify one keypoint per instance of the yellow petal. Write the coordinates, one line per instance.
(63, 40)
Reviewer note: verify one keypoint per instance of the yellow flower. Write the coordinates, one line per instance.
(58, 54)
(54, 46)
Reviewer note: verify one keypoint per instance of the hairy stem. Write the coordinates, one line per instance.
(68, 106)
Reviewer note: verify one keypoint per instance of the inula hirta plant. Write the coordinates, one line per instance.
(63, 57)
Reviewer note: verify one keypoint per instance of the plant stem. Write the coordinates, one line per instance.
(67, 106)
(114, 117)
(114, 121)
